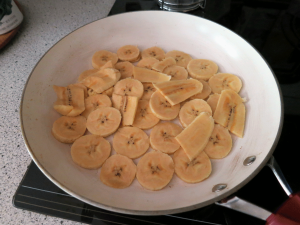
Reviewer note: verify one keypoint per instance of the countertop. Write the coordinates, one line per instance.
(45, 23)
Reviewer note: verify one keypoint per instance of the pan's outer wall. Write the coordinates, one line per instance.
(201, 38)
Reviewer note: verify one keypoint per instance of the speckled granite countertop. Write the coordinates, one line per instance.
(45, 23)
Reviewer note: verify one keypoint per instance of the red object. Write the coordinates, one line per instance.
(288, 213)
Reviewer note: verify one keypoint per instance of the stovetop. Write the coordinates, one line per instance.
(273, 28)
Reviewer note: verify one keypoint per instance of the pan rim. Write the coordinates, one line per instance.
(152, 212)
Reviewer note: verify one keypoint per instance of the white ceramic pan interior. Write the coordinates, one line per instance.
(201, 38)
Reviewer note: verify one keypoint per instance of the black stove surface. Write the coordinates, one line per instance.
(273, 28)
(37, 193)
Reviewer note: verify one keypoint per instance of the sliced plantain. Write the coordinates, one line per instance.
(213, 102)
(137, 59)
(95, 102)
(67, 129)
(176, 72)
(204, 93)
(230, 112)
(193, 171)
(70, 100)
(145, 75)
(155, 170)
(181, 58)
(84, 88)
(131, 142)
(118, 171)
(149, 89)
(202, 68)
(191, 109)
(103, 121)
(91, 92)
(147, 63)
(153, 52)
(102, 80)
(100, 58)
(125, 68)
(128, 53)
(127, 105)
(86, 73)
(223, 81)
(108, 92)
(161, 108)
(194, 138)
(162, 137)
(129, 87)
(179, 90)
(90, 151)
(144, 118)
(219, 144)
(160, 66)
(108, 64)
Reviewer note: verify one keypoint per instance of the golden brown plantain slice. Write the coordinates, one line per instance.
(161, 108)
(176, 72)
(179, 90)
(181, 58)
(86, 73)
(219, 144)
(223, 81)
(90, 151)
(67, 129)
(193, 171)
(149, 89)
(131, 142)
(213, 102)
(153, 52)
(191, 109)
(103, 121)
(129, 87)
(230, 112)
(125, 68)
(102, 80)
(145, 76)
(202, 68)
(160, 66)
(162, 137)
(144, 117)
(127, 105)
(128, 53)
(70, 100)
(118, 171)
(194, 138)
(155, 170)
(95, 102)
(100, 58)
(204, 93)
(147, 63)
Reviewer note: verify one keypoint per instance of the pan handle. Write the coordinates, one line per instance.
(279, 175)
(238, 204)
(234, 202)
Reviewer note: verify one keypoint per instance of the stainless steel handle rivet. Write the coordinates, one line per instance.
(249, 160)
(219, 187)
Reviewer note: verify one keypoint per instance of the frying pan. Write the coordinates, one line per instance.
(201, 38)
